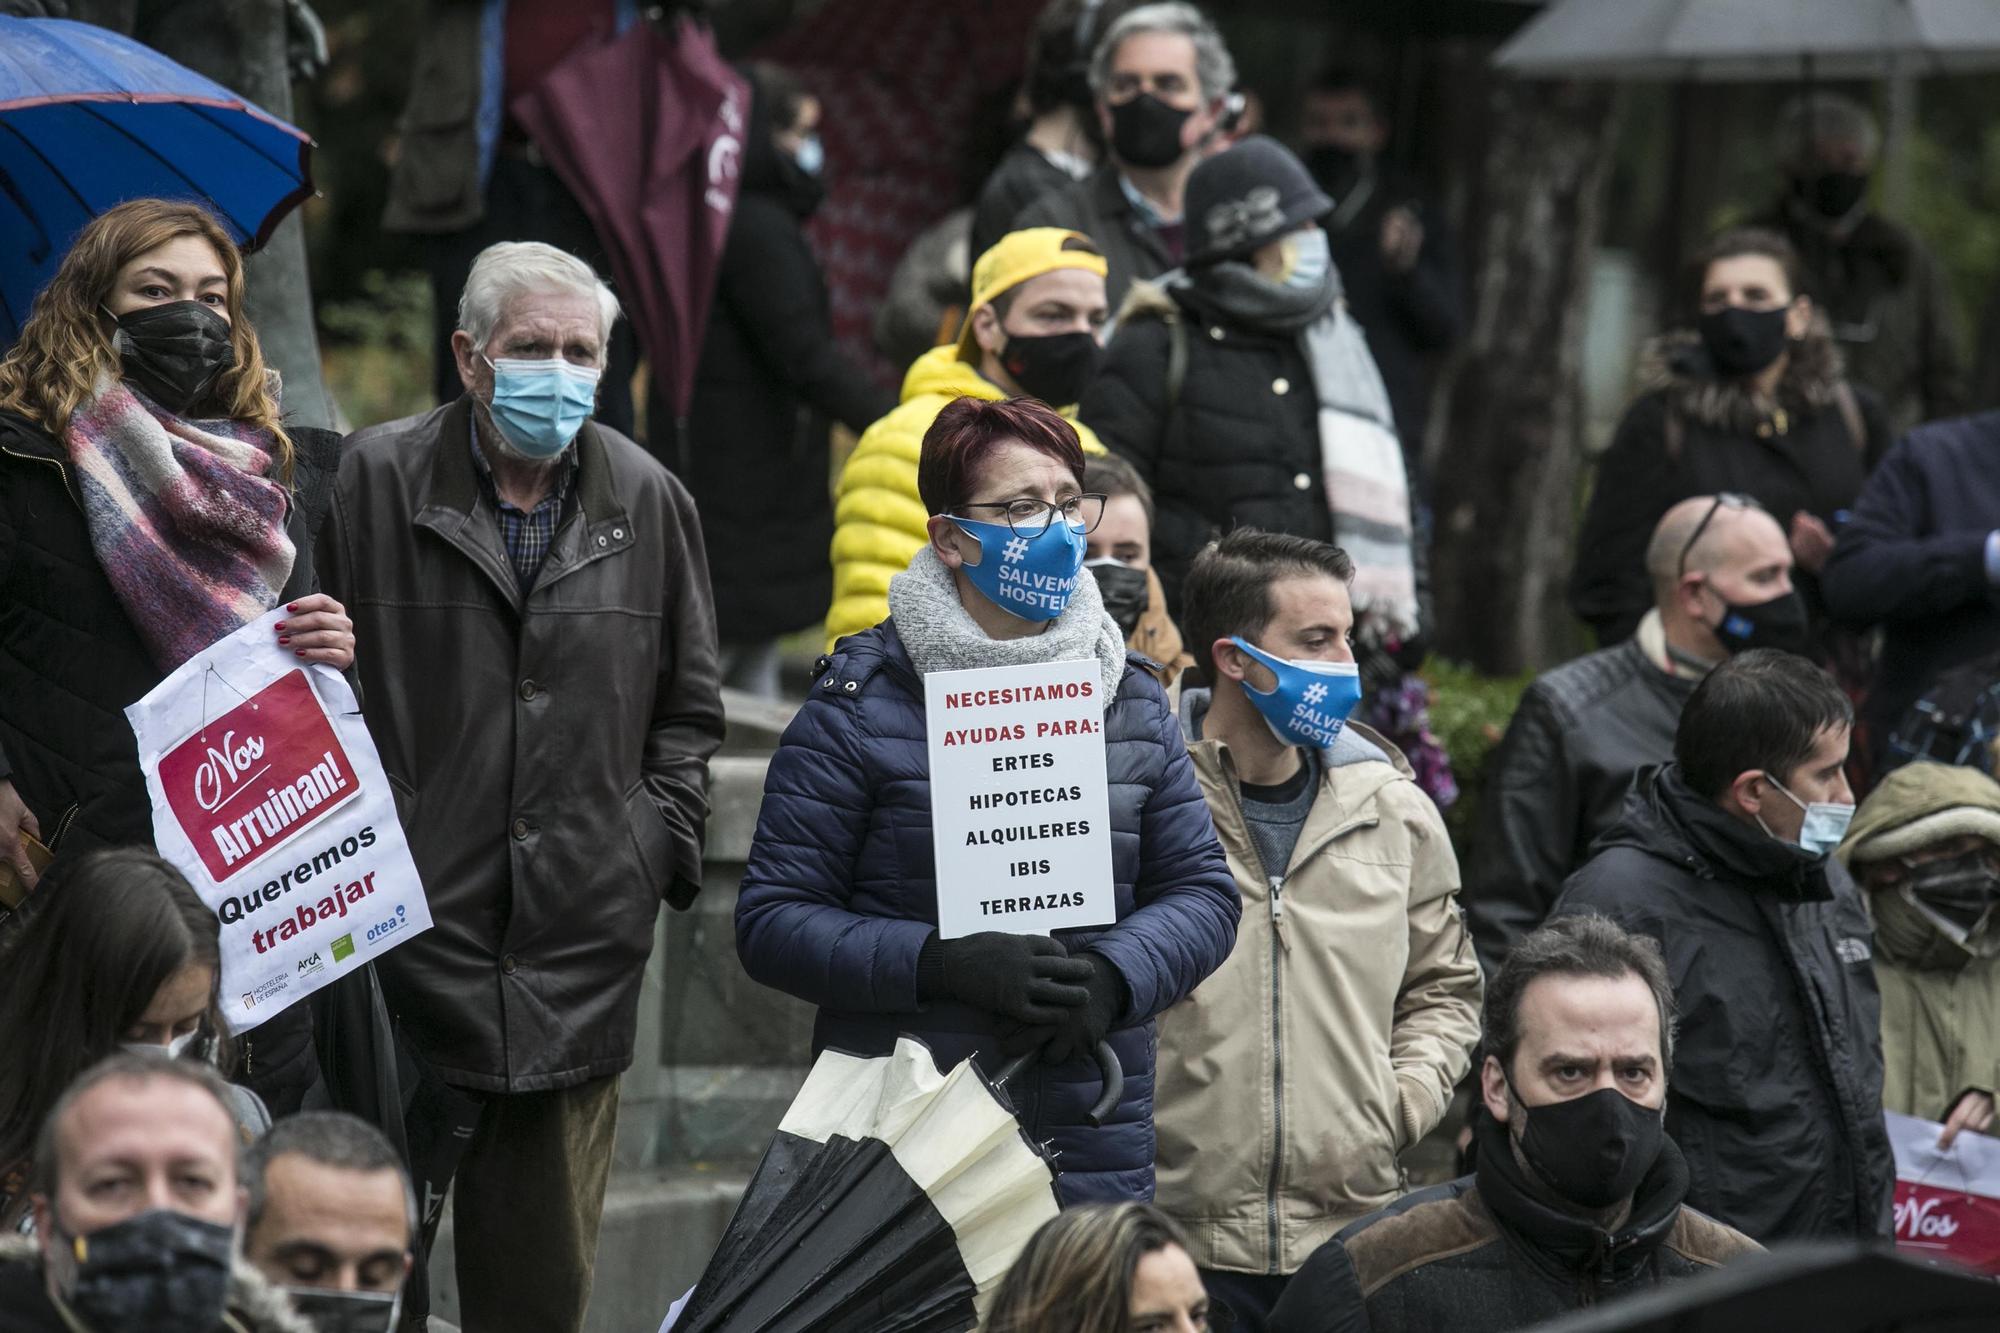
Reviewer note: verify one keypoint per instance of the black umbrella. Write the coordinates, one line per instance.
(892, 1200)
(1829, 1288)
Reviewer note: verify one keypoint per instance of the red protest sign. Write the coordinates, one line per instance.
(261, 772)
(1959, 1226)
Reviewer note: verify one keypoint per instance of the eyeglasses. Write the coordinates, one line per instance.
(1031, 518)
(1735, 500)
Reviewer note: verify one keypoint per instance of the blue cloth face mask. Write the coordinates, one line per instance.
(1824, 826)
(539, 405)
(1030, 577)
(1312, 699)
(811, 156)
(1311, 258)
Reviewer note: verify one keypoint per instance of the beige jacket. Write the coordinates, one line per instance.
(1331, 1039)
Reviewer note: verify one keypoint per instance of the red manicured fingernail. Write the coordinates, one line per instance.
(279, 625)
(284, 638)
(291, 606)
(298, 652)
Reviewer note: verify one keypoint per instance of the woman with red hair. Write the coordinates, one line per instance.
(839, 900)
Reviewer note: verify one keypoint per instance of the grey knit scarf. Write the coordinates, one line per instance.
(941, 636)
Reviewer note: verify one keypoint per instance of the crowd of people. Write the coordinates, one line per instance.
(1732, 886)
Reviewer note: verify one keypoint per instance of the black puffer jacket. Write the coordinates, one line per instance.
(1488, 1253)
(1239, 446)
(1559, 779)
(1693, 434)
(71, 661)
(1776, 1092)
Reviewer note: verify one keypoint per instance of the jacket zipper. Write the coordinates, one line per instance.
(1277, 883)
(61, 471)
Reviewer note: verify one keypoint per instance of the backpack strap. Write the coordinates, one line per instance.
(1177, 359)
(1850, 412)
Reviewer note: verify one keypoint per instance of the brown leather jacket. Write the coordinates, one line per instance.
(549, 751)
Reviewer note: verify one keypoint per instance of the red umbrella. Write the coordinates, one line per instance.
(646, 131)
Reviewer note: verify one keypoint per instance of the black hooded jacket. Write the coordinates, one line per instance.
(1776, 1092)
(1491, 1252)
(753, 451)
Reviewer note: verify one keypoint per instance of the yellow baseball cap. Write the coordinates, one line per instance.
(1019, 256)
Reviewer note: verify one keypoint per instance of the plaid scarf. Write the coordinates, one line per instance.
(185, 523)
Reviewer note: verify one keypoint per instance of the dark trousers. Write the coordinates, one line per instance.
(1250, 1297)
(527, 202)
(526, 1206)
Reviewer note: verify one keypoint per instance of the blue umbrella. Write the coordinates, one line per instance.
(89, 119)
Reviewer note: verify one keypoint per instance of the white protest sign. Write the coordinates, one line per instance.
(269, 796)
(1020, 810)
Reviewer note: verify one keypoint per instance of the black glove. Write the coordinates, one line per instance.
(1028, 978)
(1077, 1032)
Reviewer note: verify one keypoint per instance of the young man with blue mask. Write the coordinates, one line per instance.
(1722, 856)
(1331, 1039)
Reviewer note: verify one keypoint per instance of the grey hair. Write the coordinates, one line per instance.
(330, 1138)
(511, 269)
(1588, 945)
(1808, 120)
(1212, 63)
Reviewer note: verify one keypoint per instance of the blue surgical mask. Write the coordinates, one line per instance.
(811, 156)
(1310, 259)
(539, 405)
(1311, 701)
(1030, 577)
(1824, 826)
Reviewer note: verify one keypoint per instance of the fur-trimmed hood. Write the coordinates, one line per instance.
(256, 1305)
(1678, 363)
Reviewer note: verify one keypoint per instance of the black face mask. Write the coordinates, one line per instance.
(175, 352)
(1053, 367)
(1742, 342)
(1833, 194)
(1595, 1149)
(1146, 132)
(161, 1271)
(346, 1311)
(1778, 623)
(1335, 168)
(1124, 591)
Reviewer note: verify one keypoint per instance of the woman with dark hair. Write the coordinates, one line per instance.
(771, 382)
(839, 901)
(1753, 400)
(124, 953)
(1116, 1268)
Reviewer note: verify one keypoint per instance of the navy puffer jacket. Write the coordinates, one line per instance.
(841, 893)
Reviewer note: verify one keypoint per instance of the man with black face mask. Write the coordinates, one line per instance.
(1880, 286)
(138, 1212)
(1031, 332)
(1161, 75)
(1723, 857)
(1926, 847)
(1394, 251)
(1577, 1196)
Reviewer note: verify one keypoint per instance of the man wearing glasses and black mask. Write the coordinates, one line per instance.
(1721, 573)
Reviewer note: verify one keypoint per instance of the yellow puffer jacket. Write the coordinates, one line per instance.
(878, 518)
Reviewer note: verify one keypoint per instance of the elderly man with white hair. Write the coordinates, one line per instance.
(1883, 292)
(541, 683)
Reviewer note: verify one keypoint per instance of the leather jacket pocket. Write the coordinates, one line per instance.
(652, 842)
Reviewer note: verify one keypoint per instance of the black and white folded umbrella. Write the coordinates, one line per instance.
(893, 1200)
